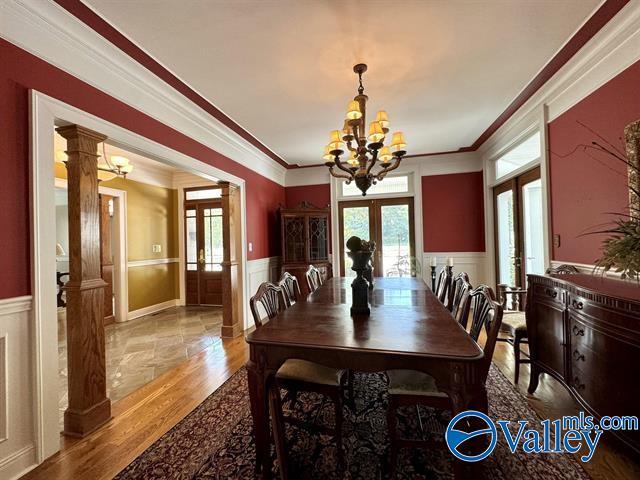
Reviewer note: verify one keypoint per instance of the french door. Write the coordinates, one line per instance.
(519, 238)
(390, 223)
(204, 252)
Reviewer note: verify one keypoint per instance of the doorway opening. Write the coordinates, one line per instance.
(519, 230)
(390, 223)
(204, 249)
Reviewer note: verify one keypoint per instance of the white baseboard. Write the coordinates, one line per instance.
(141, 312)
(19, 463)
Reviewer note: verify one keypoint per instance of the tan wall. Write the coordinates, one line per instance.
(152, 218)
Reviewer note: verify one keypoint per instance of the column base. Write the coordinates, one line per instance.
(231, 331)
(80, 423)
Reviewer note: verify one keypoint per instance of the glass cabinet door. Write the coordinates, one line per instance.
(318, 238)
(294, 239)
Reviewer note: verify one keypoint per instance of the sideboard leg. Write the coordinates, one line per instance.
(534, 377)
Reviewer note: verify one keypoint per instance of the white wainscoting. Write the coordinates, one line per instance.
(17, 430)
(258, 271)
(474, 263)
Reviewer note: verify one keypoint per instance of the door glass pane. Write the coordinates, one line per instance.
(396, 250)
(213, 239)
(191, 240)
(532, 227)
(355, 222)
(506, 238)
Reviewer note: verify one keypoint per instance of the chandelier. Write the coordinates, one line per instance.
(364, 150)
(108, 167)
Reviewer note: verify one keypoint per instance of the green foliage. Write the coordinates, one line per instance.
(621, 251)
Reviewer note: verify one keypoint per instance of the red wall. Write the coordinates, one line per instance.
(22, 71)
(318, 195)
(453, 212)
(586, 186)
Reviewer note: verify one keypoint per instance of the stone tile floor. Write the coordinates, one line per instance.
(141, 350)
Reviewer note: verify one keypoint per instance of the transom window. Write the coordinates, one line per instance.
(203, 194)
(525, 153)
(396, 184)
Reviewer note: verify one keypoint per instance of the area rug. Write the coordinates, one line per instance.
(215, 441)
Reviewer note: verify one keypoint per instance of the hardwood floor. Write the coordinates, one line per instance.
(144, 416)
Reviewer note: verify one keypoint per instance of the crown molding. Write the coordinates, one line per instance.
(609, 52)
(48, 31)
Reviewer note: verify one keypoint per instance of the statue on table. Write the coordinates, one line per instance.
(361, 251)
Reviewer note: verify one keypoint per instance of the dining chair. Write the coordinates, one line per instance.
(314, 278)
(563, 269)
(514, 320)
(290, 288)
(409, 387)
(443, 285)
(460, 304)
(297, 375)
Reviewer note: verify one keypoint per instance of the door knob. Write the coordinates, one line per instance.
(201, 256)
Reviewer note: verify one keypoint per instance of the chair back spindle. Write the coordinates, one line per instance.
(443, 285)
(460, 299)
(271, 298)
(314, 278)
(487, 314)
(290, 288)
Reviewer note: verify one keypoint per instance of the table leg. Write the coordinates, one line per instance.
(470, 397)
(277, 422)
(260, 412)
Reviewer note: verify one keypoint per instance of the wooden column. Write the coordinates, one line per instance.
(89, 407)
(232, 324)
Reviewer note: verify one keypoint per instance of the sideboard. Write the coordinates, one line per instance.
(584, 330)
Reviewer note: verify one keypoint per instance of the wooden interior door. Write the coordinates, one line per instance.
(106, 254)
(390, 223)
(519, 243)
(204, 252)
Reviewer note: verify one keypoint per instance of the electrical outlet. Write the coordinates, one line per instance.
(156, 248)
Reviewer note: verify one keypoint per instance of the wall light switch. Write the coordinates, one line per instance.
(156, 248)
(556, 240)
(251, 246)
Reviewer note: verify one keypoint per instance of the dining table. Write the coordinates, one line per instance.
(408, 328)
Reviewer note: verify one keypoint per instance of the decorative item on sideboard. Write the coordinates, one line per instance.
(360, 252)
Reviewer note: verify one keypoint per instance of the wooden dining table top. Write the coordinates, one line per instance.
(406, 318)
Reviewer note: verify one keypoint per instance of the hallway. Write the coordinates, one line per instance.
(140, 350)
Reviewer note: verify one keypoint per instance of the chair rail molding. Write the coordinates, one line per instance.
(49, 32)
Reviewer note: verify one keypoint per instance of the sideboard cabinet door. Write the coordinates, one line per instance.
(545, 323)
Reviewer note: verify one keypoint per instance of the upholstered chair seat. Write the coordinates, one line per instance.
(514, 322)
(411, 382)
(303, 371)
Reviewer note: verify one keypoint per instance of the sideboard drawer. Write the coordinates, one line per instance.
(549, 294)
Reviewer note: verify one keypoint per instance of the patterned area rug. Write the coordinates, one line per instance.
(215, 441)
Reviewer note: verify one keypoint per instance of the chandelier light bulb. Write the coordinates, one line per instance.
(375, 132)
(119, 161)
(398, 142)
(383, 119)
(327, 154)
(385, 155)
(353, 111)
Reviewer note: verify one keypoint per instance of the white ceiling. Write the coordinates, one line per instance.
(282, 69)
